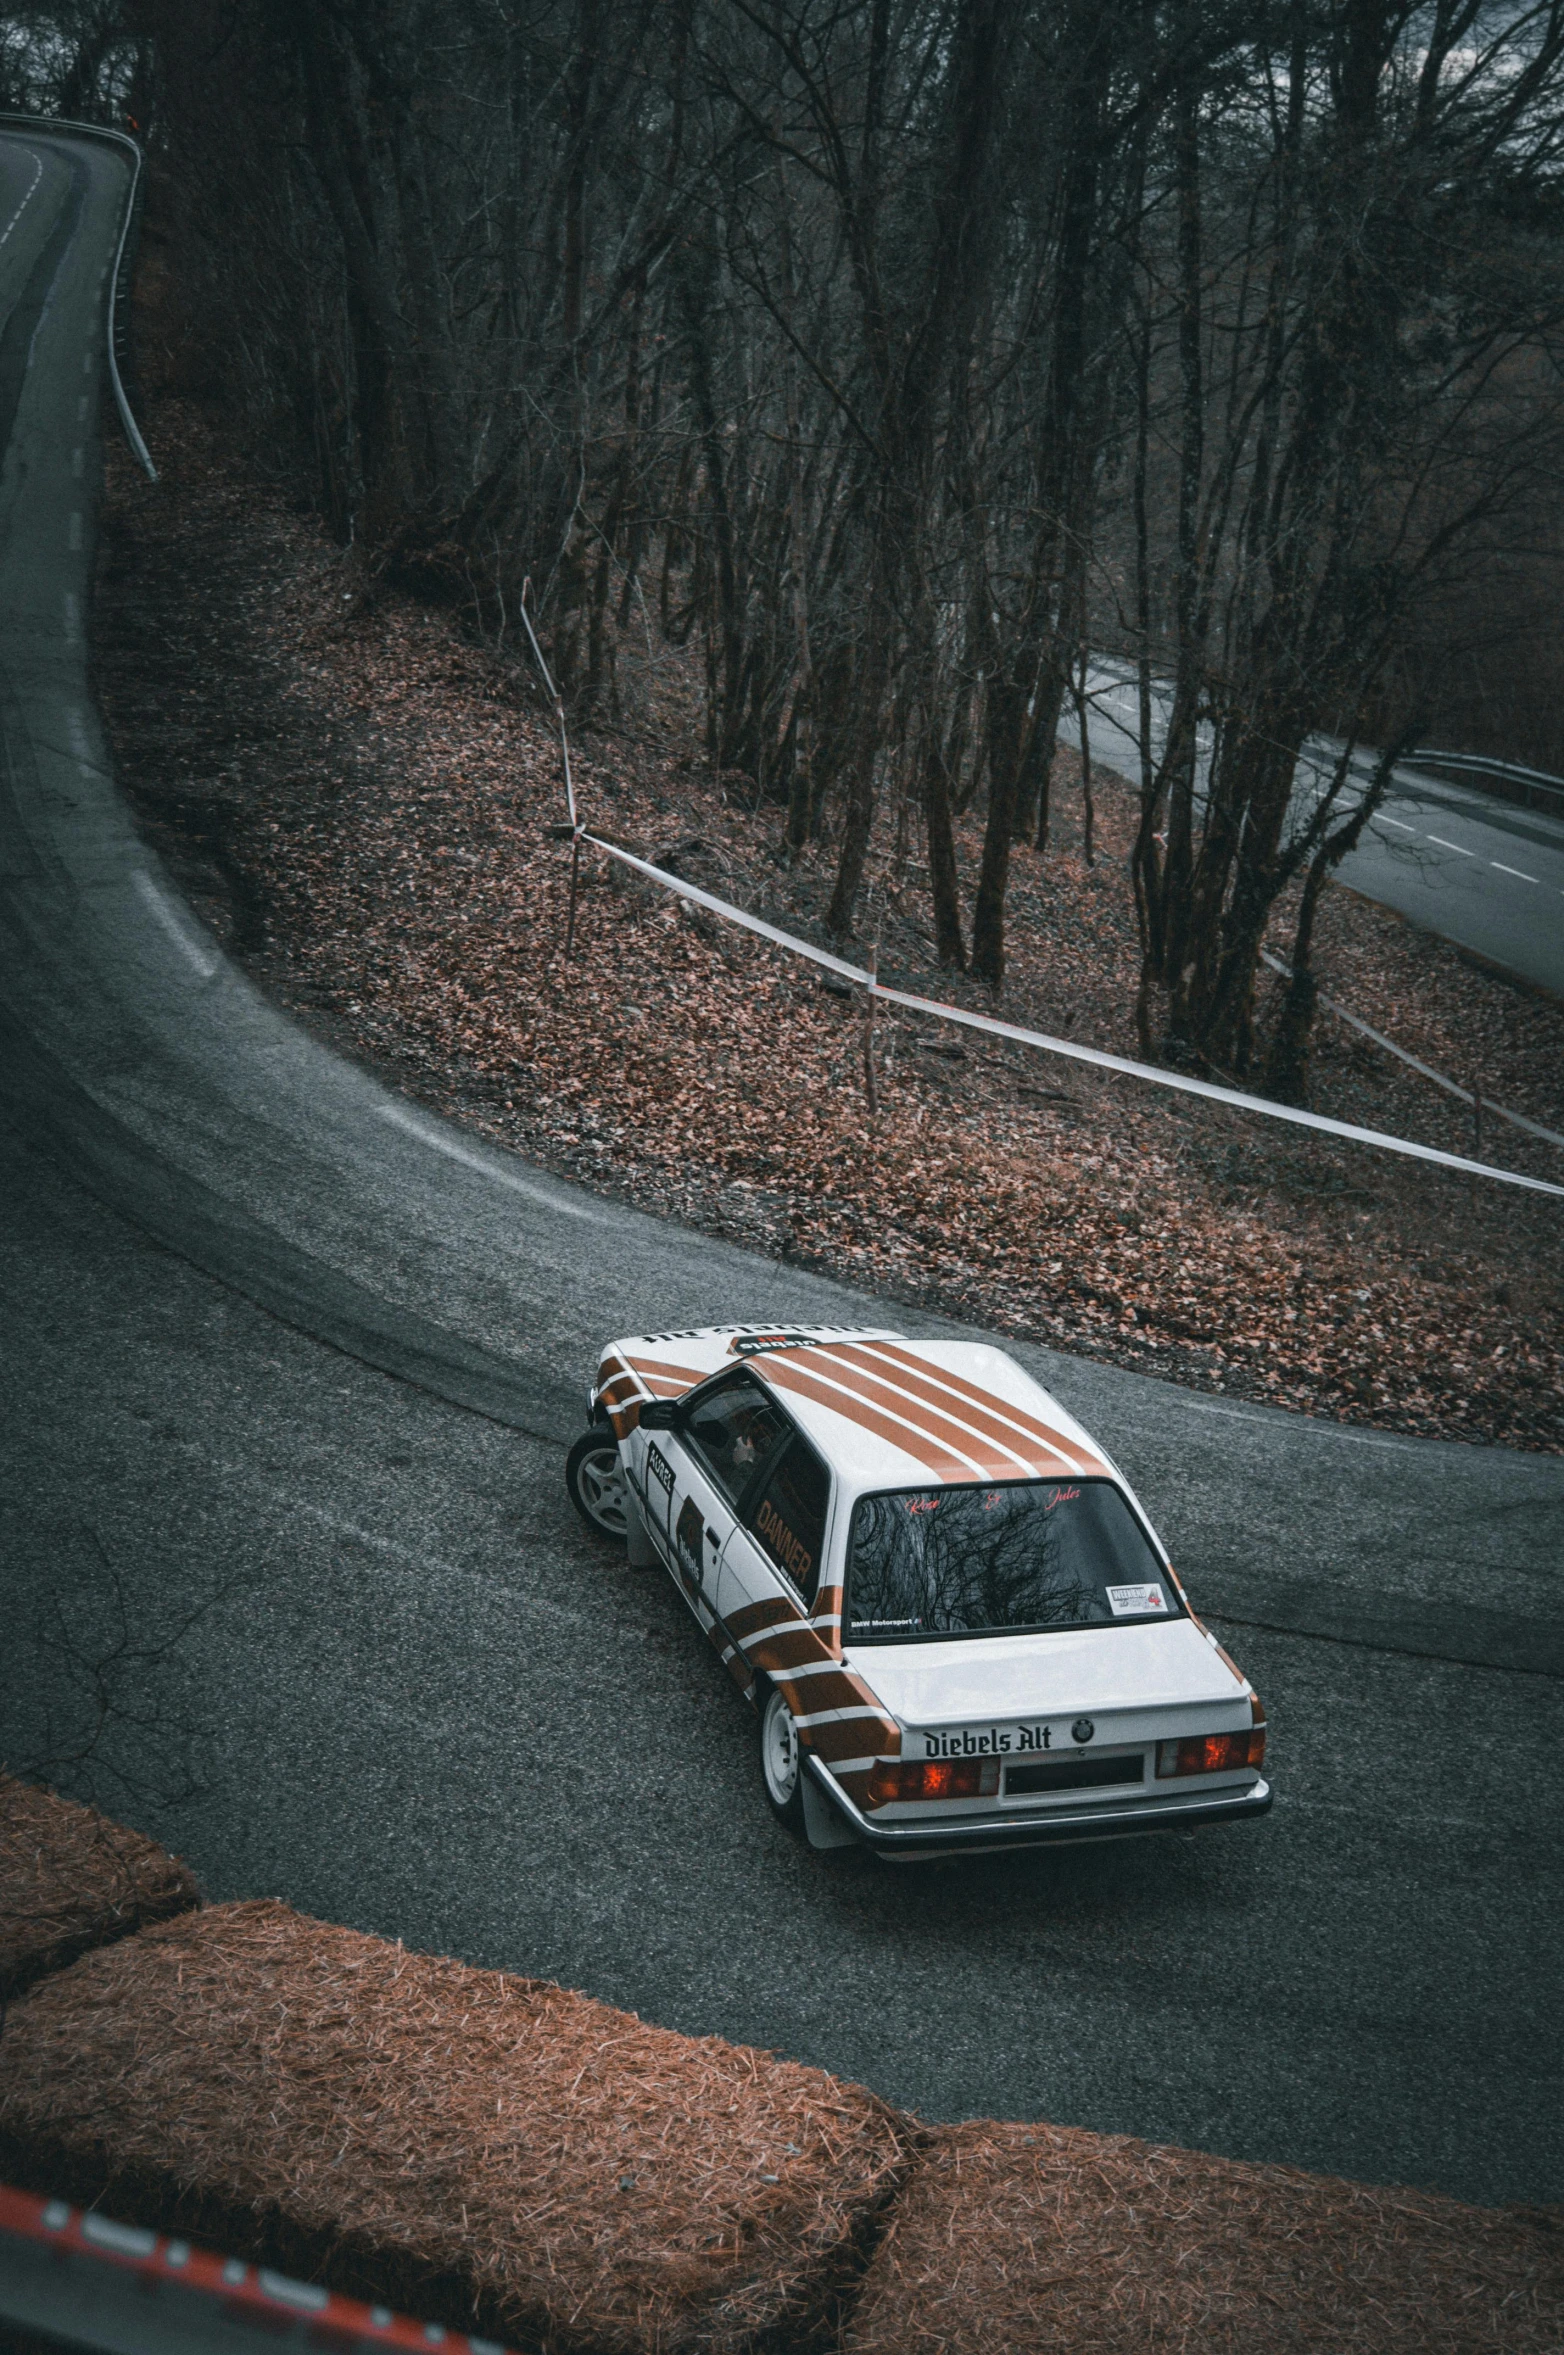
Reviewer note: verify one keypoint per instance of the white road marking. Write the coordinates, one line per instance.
(1399, 823)
(26, 201)
(388, 1546)
(81, 409)
(202, 959)
(71, 618)
(1455, 846)
(86, 363)
(427, 1135)
(1515, 871)
(1311, 1423)
(76, 457)
(81, 743)
(73, 531)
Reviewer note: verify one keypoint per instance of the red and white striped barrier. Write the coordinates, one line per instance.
(129, 2291)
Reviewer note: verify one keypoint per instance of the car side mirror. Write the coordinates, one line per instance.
(658, 1414)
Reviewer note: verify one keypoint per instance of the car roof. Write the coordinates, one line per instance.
(885, 1411)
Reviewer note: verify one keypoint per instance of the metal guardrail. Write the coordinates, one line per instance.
(118, 288)
(1523, 785)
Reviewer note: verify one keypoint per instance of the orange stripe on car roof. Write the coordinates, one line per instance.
(652, 1369)
(981, 1454)
(1071, 1449)
(1015, 1431)
(786, 1373)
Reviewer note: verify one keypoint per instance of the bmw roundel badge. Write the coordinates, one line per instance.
(1081, 1732)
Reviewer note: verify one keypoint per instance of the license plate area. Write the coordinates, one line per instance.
(1073, 1774)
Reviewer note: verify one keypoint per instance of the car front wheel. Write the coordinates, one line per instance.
(596, 1480)
(781, 1762)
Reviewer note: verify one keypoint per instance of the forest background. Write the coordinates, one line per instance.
(893, 357)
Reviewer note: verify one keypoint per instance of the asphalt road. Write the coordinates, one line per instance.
(1485, 875)
(284, 1353)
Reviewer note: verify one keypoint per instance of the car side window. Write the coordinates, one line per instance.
(733, 1428)
(787, 1519)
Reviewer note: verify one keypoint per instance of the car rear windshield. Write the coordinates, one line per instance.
(1035, 1554)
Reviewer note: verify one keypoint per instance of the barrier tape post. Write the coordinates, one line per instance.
(576, 828)
(575, 875)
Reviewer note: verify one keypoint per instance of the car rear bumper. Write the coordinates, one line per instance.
(972, 1835)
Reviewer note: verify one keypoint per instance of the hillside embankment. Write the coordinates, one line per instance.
(357, 796)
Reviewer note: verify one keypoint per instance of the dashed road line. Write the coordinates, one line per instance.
(1399, 824)
(73, 530)
(1515, 871)
(26, 201)
(1314, 1424)
(1455, 846)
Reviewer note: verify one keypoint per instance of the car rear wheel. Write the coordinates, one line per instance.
(781, 1761)
(596, 1480)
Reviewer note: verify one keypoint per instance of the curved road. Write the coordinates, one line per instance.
(281, 1347)
(1478, 871)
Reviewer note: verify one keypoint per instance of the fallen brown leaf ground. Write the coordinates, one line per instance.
(356, 796)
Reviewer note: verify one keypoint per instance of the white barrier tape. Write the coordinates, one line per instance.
(1176, 1080)
(1533, 1128)
(722, 907)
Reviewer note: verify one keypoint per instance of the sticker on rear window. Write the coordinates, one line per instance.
(1129, 1602)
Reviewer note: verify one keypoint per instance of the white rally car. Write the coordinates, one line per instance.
(957, 1626)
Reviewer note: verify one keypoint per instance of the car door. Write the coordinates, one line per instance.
(776, 1549)
(728, 1432)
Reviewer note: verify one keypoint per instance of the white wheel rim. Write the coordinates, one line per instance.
(600, 1480)
(779, 1750)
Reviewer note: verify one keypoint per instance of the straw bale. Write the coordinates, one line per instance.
(1022, 2240)
(494, 2153)
(70, 1879)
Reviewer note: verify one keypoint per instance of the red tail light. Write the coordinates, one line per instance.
(1212, 1753)
(910, 1780)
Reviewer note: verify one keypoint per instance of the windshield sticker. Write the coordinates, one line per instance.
(1131, 1602)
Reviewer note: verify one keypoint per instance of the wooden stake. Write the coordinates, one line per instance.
(575, 870)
